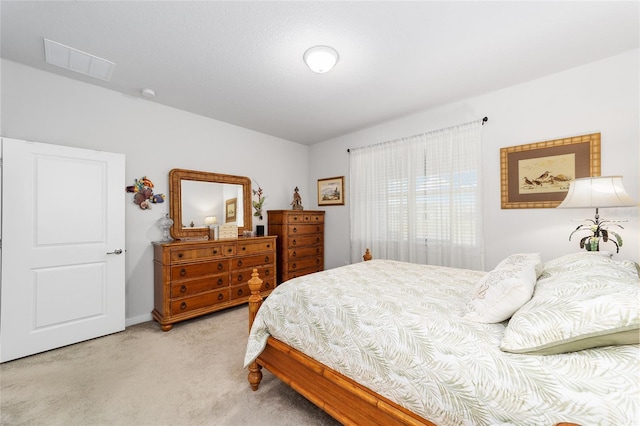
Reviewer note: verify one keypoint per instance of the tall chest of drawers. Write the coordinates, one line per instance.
(300, 241)
(197, 278)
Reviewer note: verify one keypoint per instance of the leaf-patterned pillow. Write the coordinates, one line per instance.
(505, 289)
(579, 302)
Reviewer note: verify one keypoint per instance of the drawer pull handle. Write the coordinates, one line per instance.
(230, 250)
(293, 243)
(183, 305)
(239, 292)
(215, 251)
(317, 261)
(244, 248)
(220, 266)
(266, 259)
(317, 250)
(295, 230)
(239, 262)
(267, 272)
(240, 278)
(180, 255)
(295, 218)
(318, 228)
(267, 285)
(317, 239)
(220, 296)
(294, 265)
(220, 281)
(268, 245)
(183, 288)
(183, 272)
(294, 254)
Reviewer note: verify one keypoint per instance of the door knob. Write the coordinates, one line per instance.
(116, 251)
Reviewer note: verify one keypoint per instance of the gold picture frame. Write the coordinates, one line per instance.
(231, 210)
(537, 175)
(331, 191)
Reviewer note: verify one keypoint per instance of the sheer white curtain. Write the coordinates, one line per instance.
(419, 199)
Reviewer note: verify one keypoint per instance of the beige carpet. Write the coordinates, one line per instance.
(191, 375)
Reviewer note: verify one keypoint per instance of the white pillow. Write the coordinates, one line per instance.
(581, 301)
(505, 289)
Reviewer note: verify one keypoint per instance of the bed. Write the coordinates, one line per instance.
(386, 342)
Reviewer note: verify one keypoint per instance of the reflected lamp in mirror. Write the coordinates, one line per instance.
(597, 192)
(212, 223)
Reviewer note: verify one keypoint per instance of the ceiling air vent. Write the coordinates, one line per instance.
(75, 60)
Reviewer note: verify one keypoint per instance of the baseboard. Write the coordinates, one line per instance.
(137, 320)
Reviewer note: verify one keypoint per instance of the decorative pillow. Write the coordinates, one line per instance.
(505, 289)
(580, 302)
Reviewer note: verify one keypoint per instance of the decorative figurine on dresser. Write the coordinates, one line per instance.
(197, 274)
(300, 244)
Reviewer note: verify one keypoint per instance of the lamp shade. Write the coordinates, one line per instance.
(597, 191)
(210, 220)
(320, 59)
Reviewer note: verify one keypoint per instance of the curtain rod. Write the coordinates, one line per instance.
(484, 120)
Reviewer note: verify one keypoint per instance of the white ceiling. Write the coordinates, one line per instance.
(241, 62)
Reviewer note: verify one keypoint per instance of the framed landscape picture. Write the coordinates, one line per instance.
(537, 175)
(331, 191)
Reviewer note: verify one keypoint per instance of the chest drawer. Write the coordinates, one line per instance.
(191, 287)
(300, 252)
(305, 218)
(196, 270)
(307, 262)
(305, 240)
(317, 228)
(201, 301)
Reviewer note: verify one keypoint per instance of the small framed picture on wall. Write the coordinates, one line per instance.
(230, 211)
(331, 191)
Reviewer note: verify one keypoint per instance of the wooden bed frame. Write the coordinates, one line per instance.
(342, 398)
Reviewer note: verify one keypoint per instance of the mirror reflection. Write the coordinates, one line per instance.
(209, 203)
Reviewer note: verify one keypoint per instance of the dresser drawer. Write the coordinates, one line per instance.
(201, 301)
(306, 262)
(305, 218)
(300, 252)
(304, 240)
(242, 289)
(252, 261)
(212, 251)
(191, 287)
(317, 228)
(255, 247)
(266, 273)
(196, 270)
(299, 273)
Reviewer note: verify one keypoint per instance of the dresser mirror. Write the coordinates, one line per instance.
(199, 199)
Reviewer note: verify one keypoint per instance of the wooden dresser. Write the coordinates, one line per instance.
(196, 278)
(300, 241)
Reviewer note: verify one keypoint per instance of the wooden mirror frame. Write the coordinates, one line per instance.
(176, 176)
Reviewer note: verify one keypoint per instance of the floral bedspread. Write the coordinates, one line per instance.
(398, 329)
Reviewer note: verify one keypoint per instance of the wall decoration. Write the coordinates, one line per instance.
(143, 194)
(331, 191)
(230, 210)
(537, 175)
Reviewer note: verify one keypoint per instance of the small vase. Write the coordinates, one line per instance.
(593, 244)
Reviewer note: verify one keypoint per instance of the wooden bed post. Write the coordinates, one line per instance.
(255, 301)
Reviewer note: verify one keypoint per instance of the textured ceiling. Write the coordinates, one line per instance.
(241, 62)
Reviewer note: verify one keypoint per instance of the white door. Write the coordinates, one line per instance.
(63, 258)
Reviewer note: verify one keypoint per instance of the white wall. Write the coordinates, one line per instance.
(44, 107)
(598, 97)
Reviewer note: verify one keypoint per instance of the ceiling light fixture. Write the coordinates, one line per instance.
(321, 59)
